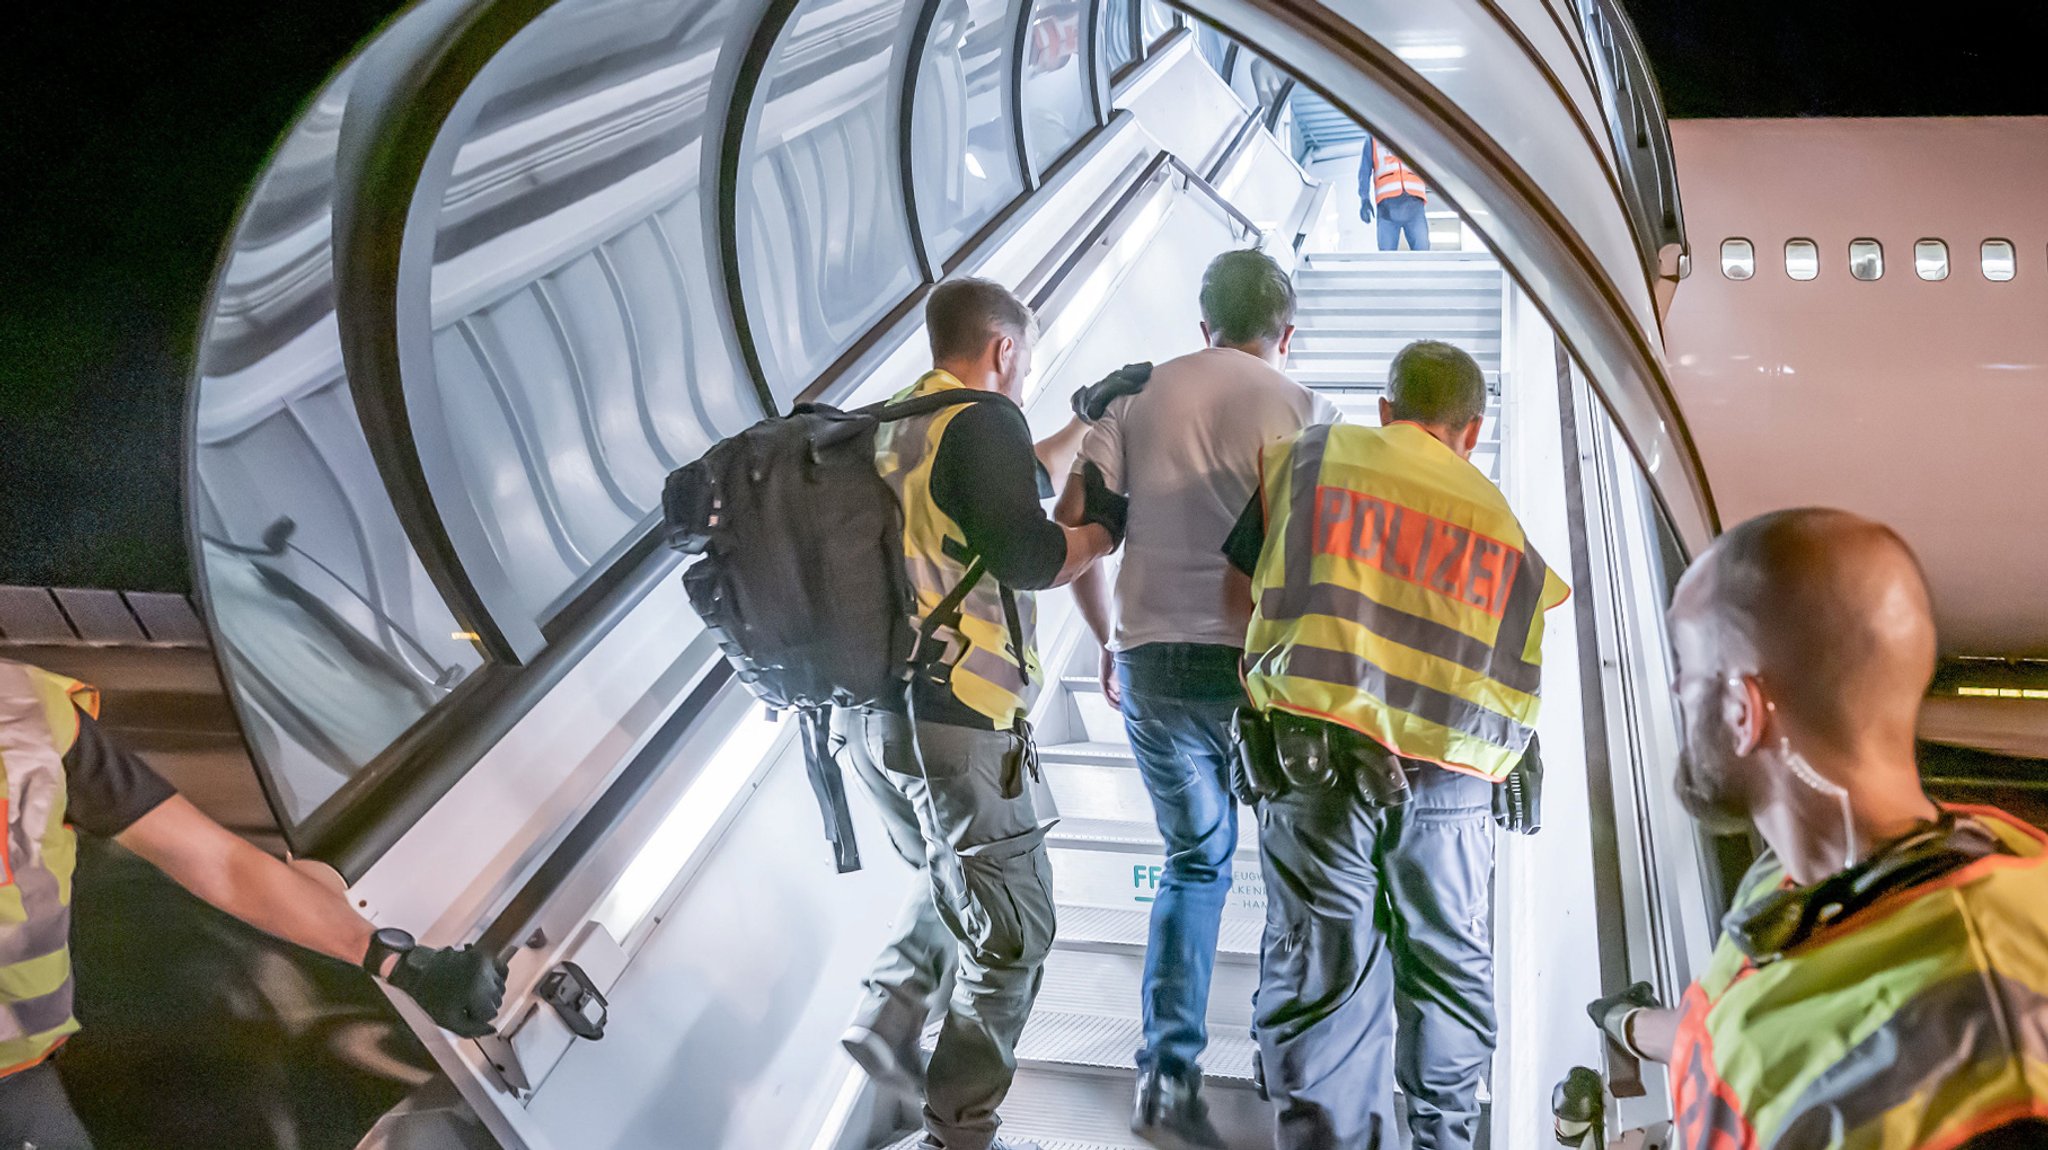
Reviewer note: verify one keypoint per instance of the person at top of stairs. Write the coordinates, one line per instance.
(1391, 190)
(1394, 659)
(947, 769)
(1186, 452)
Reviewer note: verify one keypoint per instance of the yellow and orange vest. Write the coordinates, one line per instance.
(987, 672)
(1917, 1023)
(38, 725)
(1397, 595)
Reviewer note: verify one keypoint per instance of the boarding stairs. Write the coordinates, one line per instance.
(1076, 1073)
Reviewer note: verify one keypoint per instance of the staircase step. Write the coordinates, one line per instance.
(1126, 876)
(1064, 1040)
(1118, 930)
(916, 1140)
(1058, 1106)
(1110, 984)
(1373, 321)
(1134, 836)
(1361, 375)
(1108, 754)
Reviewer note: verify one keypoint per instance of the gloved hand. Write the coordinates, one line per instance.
(1611, 1014)
(1101, 505)
(1518, 799)
(459, 987)
(1365, 210)
(1091, 401)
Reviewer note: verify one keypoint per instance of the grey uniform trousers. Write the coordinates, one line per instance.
(36, 1113)
(992, 936)
(1372, 913)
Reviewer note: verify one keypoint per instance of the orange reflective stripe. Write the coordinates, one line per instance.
(1706, 1115)
(1988, 1121)
(33, 1062)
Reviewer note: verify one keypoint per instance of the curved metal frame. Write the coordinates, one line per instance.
(929, 261)
(743, 107)
(409, 90)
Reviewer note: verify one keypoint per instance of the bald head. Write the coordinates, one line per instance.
(1831, 612)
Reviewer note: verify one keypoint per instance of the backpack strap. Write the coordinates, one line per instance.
(888, 412)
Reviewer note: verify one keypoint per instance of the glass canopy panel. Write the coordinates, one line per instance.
(332, 638)
(1057, 108)
(825, 247)
(963, 141)
(574, 341)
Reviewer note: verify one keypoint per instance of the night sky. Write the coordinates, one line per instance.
(132, 131)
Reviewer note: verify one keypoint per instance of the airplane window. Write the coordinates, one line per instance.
(1866, 259)
(1999, 261)
(1930, 259)
(1802, 259)
(1738, 259)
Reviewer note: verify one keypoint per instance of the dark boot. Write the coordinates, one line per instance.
(1170, 1113)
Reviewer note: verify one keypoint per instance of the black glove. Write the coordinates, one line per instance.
(459, 987)
(1101, 505)
(1518, 799)
(1091, 401)
(1611, 1013)
(1364, 210)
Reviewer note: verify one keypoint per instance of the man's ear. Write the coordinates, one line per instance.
(1002, 353)
(1386, 412)
(1746, 713)
(1286, 339)
(1470, 437)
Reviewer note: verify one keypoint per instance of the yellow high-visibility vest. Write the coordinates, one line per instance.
(1391, 177)
(1917, 1023)
(38, 725)
(1397, 595)
(986, 671)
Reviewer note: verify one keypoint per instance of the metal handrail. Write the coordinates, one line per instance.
(1641, 136)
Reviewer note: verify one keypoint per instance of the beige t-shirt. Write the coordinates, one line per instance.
(1186, 451)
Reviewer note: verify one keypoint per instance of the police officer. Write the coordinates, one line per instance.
(58, 770)
(1882, 981)
(1393, 663)
(948, 767)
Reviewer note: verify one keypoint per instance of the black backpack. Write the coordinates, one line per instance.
(801, 576)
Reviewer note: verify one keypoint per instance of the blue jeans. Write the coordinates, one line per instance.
(1404, 215)
(1372, 915)
(1178, 700)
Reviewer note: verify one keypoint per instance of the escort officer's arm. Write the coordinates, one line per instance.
(460, 989)
(986, 476)
(1056, 452)
(1102, 449)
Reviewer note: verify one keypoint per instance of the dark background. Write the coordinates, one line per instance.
(131, 132)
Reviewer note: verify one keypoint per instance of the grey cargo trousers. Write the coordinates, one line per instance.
(993, 937)
(1372, 913)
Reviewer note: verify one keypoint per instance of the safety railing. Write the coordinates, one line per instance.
(1641, 137)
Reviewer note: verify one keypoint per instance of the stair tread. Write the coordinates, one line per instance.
(913, 1141)
(1130, 835)
(1122, 928)
(1105, 754)
(1055, 1039)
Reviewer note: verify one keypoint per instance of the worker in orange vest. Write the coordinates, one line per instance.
(1391, 189)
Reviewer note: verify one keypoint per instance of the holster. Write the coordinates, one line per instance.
(1303, 748)
(1518, 798)
(1255, 772)
(1316, 754)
